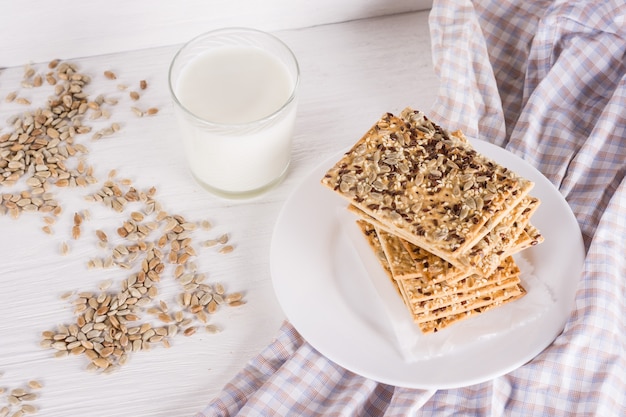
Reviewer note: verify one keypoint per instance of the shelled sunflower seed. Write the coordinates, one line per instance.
(42, 143)
(104, 330)
(111, 325)
(20, 401)
(42, 148)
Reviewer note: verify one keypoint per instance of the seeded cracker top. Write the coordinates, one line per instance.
(429, 186)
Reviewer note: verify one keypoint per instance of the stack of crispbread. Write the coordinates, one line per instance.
(443, 219)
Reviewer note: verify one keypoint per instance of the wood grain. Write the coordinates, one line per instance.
(352, 72)
(37, 30)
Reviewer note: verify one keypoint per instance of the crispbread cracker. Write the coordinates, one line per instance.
(371, 237)
(422, 296)
(469, 297)
(530, 236)
(425, 264)
(422, 310)
(427, 186)
(407, 264)
(442, 219)
(435, 325)
(494, 297)
(369, 232)
(401, 263)
(483, 258)
(418, 290)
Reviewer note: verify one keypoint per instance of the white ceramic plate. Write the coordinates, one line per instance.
(326, 292)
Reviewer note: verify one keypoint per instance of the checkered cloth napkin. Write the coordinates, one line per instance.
(547, 81)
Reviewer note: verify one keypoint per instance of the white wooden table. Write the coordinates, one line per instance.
(352, 72)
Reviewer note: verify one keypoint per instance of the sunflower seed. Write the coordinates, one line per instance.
(212, 329)
(28, 408)
(226, 249)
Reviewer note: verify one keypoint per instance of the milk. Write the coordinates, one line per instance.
(236, 117)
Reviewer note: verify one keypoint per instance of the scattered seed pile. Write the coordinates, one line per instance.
(151, 244)
(42, 154)
(20, 401)
(41, 148)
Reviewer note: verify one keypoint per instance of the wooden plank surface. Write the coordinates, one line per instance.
(352, 72)
(38, 30)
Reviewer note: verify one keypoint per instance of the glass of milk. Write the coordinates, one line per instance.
(235, 97)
